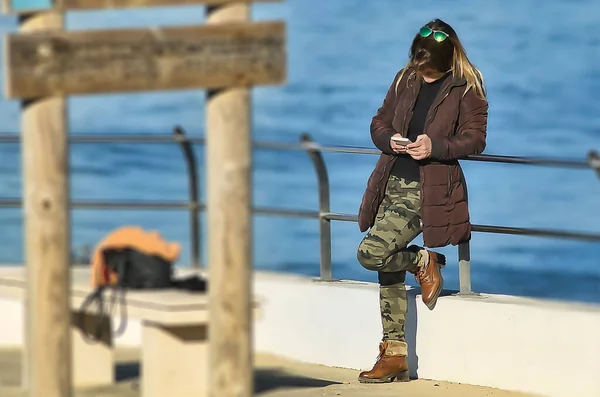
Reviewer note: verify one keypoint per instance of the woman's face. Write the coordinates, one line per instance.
(439, 54)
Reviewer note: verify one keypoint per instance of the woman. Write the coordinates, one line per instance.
(439, 103)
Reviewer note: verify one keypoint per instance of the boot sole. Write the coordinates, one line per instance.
(399, 377)
(441, 262)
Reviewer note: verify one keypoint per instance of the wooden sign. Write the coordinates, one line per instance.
(22, 6)
(87, 62)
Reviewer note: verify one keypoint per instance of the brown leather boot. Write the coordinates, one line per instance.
(391, 364)
(429, 277)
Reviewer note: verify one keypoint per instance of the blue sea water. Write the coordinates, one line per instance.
(540, 62)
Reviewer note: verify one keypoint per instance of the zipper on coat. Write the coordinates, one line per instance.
(404, 121)
(433, 110)
(379, 183)
(433, 113)
(412, 103)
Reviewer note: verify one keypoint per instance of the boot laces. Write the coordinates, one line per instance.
(381, 354)
(420, 276)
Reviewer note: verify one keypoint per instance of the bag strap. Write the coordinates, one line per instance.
(94, 334)
(117, 291)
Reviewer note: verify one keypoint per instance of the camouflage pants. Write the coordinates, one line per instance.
(385, 249)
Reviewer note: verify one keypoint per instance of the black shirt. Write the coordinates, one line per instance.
(405, 166)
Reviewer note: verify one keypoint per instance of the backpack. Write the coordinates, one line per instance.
(131, 257)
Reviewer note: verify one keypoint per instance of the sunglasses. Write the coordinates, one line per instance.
(438, 35)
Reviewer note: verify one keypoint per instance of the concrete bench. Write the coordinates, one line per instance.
(174, 336)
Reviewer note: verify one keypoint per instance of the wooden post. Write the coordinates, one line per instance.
(229, 234)
(44, 146)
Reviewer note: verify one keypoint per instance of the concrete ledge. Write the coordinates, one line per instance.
(529, 345)
(535, 346)
(169, 306)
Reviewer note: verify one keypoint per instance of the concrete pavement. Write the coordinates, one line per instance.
(274, 377)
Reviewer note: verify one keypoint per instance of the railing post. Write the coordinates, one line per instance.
(464, 257)
(190, 162)
(324, 204)
(464, 268)
(594, 160)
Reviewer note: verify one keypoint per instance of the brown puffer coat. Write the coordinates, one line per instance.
(457, 126)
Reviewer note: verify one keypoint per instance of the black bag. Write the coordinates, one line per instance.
(136, 270)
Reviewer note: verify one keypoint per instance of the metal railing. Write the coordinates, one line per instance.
(324, 214)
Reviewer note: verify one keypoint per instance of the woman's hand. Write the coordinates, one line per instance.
(420, 149)
(399, 149)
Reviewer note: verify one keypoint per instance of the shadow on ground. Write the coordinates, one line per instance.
(270, 379)
(265, 379)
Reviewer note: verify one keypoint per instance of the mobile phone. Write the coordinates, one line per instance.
(401, 140)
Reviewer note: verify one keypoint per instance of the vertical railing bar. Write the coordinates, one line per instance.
(324, 204)
(464, 268)
(594, 161)
(464, 256)
(190, 162)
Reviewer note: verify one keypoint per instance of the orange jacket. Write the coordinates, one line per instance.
(150, 243)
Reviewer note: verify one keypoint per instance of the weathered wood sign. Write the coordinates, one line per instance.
(22, 6)
(87, 62)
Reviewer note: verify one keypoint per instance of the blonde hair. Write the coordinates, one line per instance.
(461, 66)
